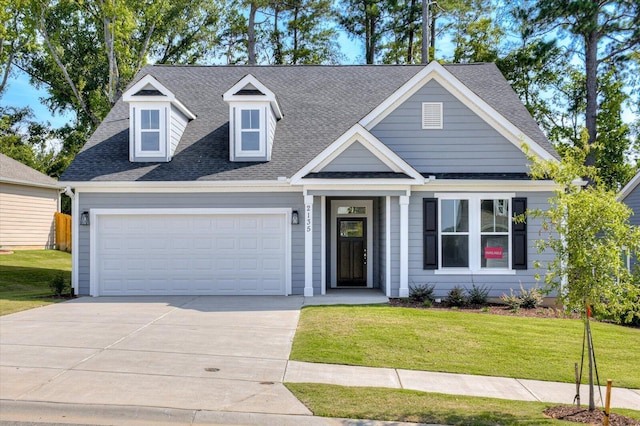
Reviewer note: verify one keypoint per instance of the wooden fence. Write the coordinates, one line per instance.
(63, 232)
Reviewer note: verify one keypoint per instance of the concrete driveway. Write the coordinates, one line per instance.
(196, 353)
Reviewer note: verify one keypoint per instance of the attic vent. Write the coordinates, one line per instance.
(432, 115)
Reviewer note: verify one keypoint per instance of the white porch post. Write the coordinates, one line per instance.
(404, 246)
(308, 245)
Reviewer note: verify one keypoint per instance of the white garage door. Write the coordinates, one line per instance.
(208, 254)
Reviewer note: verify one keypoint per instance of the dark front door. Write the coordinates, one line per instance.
(352, 252)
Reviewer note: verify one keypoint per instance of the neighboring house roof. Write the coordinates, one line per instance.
(629, 187)
(12, 171)
(319, 104)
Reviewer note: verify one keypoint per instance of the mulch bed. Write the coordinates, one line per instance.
(583, 415)
(495, 309)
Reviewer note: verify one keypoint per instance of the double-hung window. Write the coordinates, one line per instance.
(150, 134)
(250, 132)
(474, 233)
(150, 130)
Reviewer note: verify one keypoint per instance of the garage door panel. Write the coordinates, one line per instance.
(191, 254)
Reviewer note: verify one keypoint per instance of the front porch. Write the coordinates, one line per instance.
(364, 296)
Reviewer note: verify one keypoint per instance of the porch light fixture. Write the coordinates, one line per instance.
(295, 219)
(84, 218)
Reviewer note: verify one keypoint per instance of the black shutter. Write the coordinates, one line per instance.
(430, 232)
(519, 235)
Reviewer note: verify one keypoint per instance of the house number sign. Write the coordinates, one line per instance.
(307, 220)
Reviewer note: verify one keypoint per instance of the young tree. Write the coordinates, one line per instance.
(588, 228)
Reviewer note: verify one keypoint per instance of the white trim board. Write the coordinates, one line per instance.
(96, 213)
(629, 187)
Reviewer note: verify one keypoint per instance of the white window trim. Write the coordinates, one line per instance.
(239, 152)
(475, 234)
(163, 121)
(432, 104)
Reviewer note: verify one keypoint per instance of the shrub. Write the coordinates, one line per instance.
(427, 303)
(421, 293)
(530, 299)
(513, 301)
(59, 285)
(478, 295)
(456, 297)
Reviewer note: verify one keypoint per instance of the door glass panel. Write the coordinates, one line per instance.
(351, 228)
(352, 210)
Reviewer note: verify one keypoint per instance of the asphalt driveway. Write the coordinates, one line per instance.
(197, 353)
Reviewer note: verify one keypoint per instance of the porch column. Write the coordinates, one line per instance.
(308, 245)
(404, 246)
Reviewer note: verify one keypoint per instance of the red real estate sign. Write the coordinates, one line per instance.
(493, 253)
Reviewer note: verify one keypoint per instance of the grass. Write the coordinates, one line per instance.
(421, 407)
(463, 342)
(25, 276)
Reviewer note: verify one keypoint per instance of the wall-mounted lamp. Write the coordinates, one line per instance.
(295, 219)
(84, 218)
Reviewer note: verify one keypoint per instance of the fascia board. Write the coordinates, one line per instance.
(26, 183)
(435, 71)
(187, 187)
(629, 187)
(169, 96)
(360, 183)
(230, 95)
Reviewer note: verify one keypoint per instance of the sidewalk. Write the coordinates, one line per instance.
(454, 384)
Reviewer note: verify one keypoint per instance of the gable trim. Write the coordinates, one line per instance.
(629, 187)
(166, 95)
(232, 95)
(435, 71)
(357, 133)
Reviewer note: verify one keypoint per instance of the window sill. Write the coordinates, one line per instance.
(466, 271)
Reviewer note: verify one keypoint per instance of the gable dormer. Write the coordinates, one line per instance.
(157, 121)
(253, 114)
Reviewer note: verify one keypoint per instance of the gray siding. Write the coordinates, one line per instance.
(178, 124)
(633, 201)
(466, 143)
(292, 200)
(382, 244)
(499, 284)
(356, 158)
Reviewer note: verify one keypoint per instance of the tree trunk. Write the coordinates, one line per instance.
(277, 44)
(425, 32)
(251, 34)
(591, 62)
(412, 7)
(63, 69)
(592, 403)
(294, 59)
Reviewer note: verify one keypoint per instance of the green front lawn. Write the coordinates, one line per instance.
(25, 276)
(421, 407)
(462, 342)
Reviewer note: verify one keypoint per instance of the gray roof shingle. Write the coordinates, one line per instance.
(319, 103)
(15, 172)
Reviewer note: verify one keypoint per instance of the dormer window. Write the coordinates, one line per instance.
(157, 121)
(253, 113)
(150, 137)
(250, 130)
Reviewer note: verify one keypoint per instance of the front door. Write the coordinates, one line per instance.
(352, 252)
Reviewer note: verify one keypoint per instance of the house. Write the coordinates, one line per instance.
(278, 180)
(630, 195)
(28, 201)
